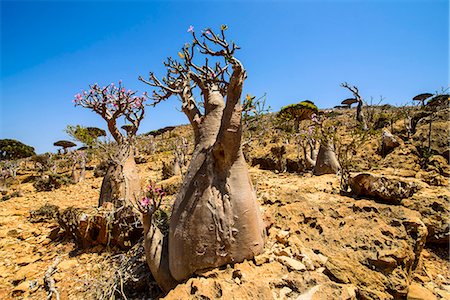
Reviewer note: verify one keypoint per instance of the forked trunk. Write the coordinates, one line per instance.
(215, 218)
(326, 162)
(121, 184)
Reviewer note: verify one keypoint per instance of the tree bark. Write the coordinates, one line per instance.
(121, 184)
(360, 116)
(215, 218)
(326, 162)
(157, 254)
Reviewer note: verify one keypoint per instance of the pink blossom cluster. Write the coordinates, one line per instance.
(152, 197)
(111, 97)
(309, 132)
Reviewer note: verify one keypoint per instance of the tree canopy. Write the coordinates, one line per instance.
(86, 135)
(13, 149)
(298, 112)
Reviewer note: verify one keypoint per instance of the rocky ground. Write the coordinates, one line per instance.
(321, 244)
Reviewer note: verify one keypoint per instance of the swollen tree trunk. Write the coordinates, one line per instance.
(326, 162)
(157, 254)
(121, 184)
(79, 175)
(215, 218)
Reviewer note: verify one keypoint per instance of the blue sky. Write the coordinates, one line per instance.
(292, 50)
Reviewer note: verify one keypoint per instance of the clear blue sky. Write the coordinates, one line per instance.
(293, 50)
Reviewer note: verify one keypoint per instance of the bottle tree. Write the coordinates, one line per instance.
(215, 218)
(121, 184)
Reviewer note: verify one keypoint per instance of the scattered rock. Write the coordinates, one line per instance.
(418, 292)
(282, 236)
(432, 177)
(381, 188)
(291, 263)
(388, 143)
(25, 260)
(261, 259)
(284, 292)
(68, 264)
(20, 289)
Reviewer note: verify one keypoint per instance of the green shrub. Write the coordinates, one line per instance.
(52, 182)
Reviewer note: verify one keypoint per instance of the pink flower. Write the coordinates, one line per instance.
(208, 32)
(190, 29)
(145, 201)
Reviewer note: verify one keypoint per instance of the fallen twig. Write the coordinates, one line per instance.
(49, 282)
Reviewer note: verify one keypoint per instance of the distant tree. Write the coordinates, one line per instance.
(121, 184)
(422, 98)
(359, 113)
(12, 149)
(64, 145)
(302, 111)
(298, 112)
(86, 135)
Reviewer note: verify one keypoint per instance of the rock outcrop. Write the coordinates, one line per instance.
(381, 188)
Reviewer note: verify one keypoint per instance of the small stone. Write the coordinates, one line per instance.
(261, 259)
(282, 236)
(388, 143)
(284, 292)
(418, 292)
(322, 259)
(291, 263)
(22, 288)
(68, 264)
(23, 261)
(24, 273)
(421, 278)
(308, 262)
(282, 252)
(320, 270)
(54, 233)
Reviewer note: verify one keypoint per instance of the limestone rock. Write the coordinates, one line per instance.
(291, 263)
(434, 211)
(282, 236)
(388, 142)
(418, 292)
(381, 188)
